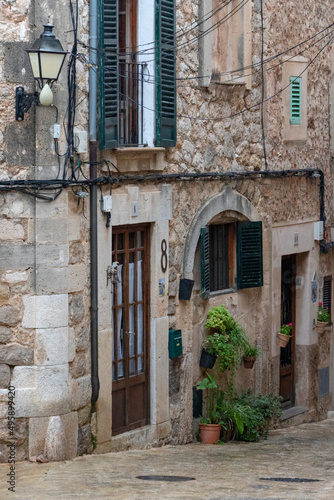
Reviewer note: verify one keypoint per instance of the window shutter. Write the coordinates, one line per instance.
(108, 74)
(327, 294)
(205, 261)
(295, 100)
(249, 254)
(165, 73)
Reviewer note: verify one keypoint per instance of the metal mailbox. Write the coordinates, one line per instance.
(175, 343)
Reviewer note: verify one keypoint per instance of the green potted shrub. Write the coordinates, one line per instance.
(251, 352)
(210, 422)
(284, 335)
(323, 318)
(227, 341)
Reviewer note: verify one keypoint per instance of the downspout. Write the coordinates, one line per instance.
(93, 199)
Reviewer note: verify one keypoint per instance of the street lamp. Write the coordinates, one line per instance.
(46, 58)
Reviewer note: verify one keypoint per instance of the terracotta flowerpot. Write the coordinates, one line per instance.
(321, 325)
(249, 361)
(209, 433)
(283, 340)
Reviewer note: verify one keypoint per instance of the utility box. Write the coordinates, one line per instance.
(175, 343)
(319, 230)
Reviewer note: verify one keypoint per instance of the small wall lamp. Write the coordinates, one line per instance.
(46, 58)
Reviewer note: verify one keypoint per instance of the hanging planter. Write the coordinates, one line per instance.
(207, 360)
(249, 361)
(283, 339)
(209, 433)
(321, 326)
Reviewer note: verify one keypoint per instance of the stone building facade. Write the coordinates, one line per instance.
(219, 159)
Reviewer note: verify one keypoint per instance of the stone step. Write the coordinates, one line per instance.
(296, 415)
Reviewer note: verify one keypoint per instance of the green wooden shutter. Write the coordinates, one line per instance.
(205, 261)
(249, 254)
(165, 73)
(295, 100)
(108, 73)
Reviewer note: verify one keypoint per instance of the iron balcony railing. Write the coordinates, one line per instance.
(130, 103)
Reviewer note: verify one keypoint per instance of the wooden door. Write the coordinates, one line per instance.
(288, 315)
(130, 325)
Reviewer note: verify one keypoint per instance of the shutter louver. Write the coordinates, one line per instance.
(249, 255)
(327, 294)
(165, 73)
(295, 100)
(108, 76)
(205, 262)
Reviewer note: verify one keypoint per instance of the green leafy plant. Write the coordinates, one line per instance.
(212, 400)
(286, 329)
(322, 314)
(251, 350)
(227, 340)
(258, 412)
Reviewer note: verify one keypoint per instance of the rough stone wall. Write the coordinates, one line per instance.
(44, 256)
(231, 140)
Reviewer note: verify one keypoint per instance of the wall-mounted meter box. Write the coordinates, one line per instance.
(175, 343)
(107, 203)
(319, 230)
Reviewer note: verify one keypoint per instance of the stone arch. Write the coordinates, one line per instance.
(227, 199)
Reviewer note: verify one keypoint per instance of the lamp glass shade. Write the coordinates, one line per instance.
(46, 56)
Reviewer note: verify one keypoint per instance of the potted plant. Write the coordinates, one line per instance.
(284, 335)
(250, 355)
(210, 422)
(323, 318)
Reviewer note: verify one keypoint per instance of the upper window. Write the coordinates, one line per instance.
(225, 48)
(137, 94)
(231, 256)
(295, 100)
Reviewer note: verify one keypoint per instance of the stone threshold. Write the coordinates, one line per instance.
(293, 412)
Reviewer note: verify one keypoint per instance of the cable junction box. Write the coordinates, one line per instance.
(107, 204)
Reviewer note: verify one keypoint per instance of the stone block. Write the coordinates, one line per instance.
(5, 335)
(9, 316)
(55, 443)
(24, 377)
(80, 365)
(38, 432)
(84, 440)
(71, 345)
(77, 278)
(4, 376)
(17, 256)
(82, 338)
(51, 280)
(16, 64)
(11, 231)
(80, 392)
(73, 228)
(20, 431)
(51, 255)
(45, 311)
(20, 142)
(50, 395)
(77, 252)
(13, 277)
(76, 309)
(15, 354)
(51, 230)
(51, 346)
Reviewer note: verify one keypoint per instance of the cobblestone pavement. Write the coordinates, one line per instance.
(271, 469)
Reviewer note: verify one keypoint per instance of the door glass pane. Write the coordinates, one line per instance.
(139, 277)
(132, 330)
(120, 241)
(140, 365)
(140, 238)
(120, 373)
(131, 282)
(132, 240)
(132, 367)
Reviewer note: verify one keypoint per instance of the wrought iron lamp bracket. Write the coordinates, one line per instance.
(24, 101)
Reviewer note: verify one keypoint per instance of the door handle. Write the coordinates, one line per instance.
(130, 333)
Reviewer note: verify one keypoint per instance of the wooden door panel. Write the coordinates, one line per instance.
(130, 324)
(287, 354)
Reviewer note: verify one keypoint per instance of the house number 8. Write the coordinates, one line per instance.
(163, 256)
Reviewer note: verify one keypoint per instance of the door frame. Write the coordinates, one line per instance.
(285, 371)
(145, 377)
